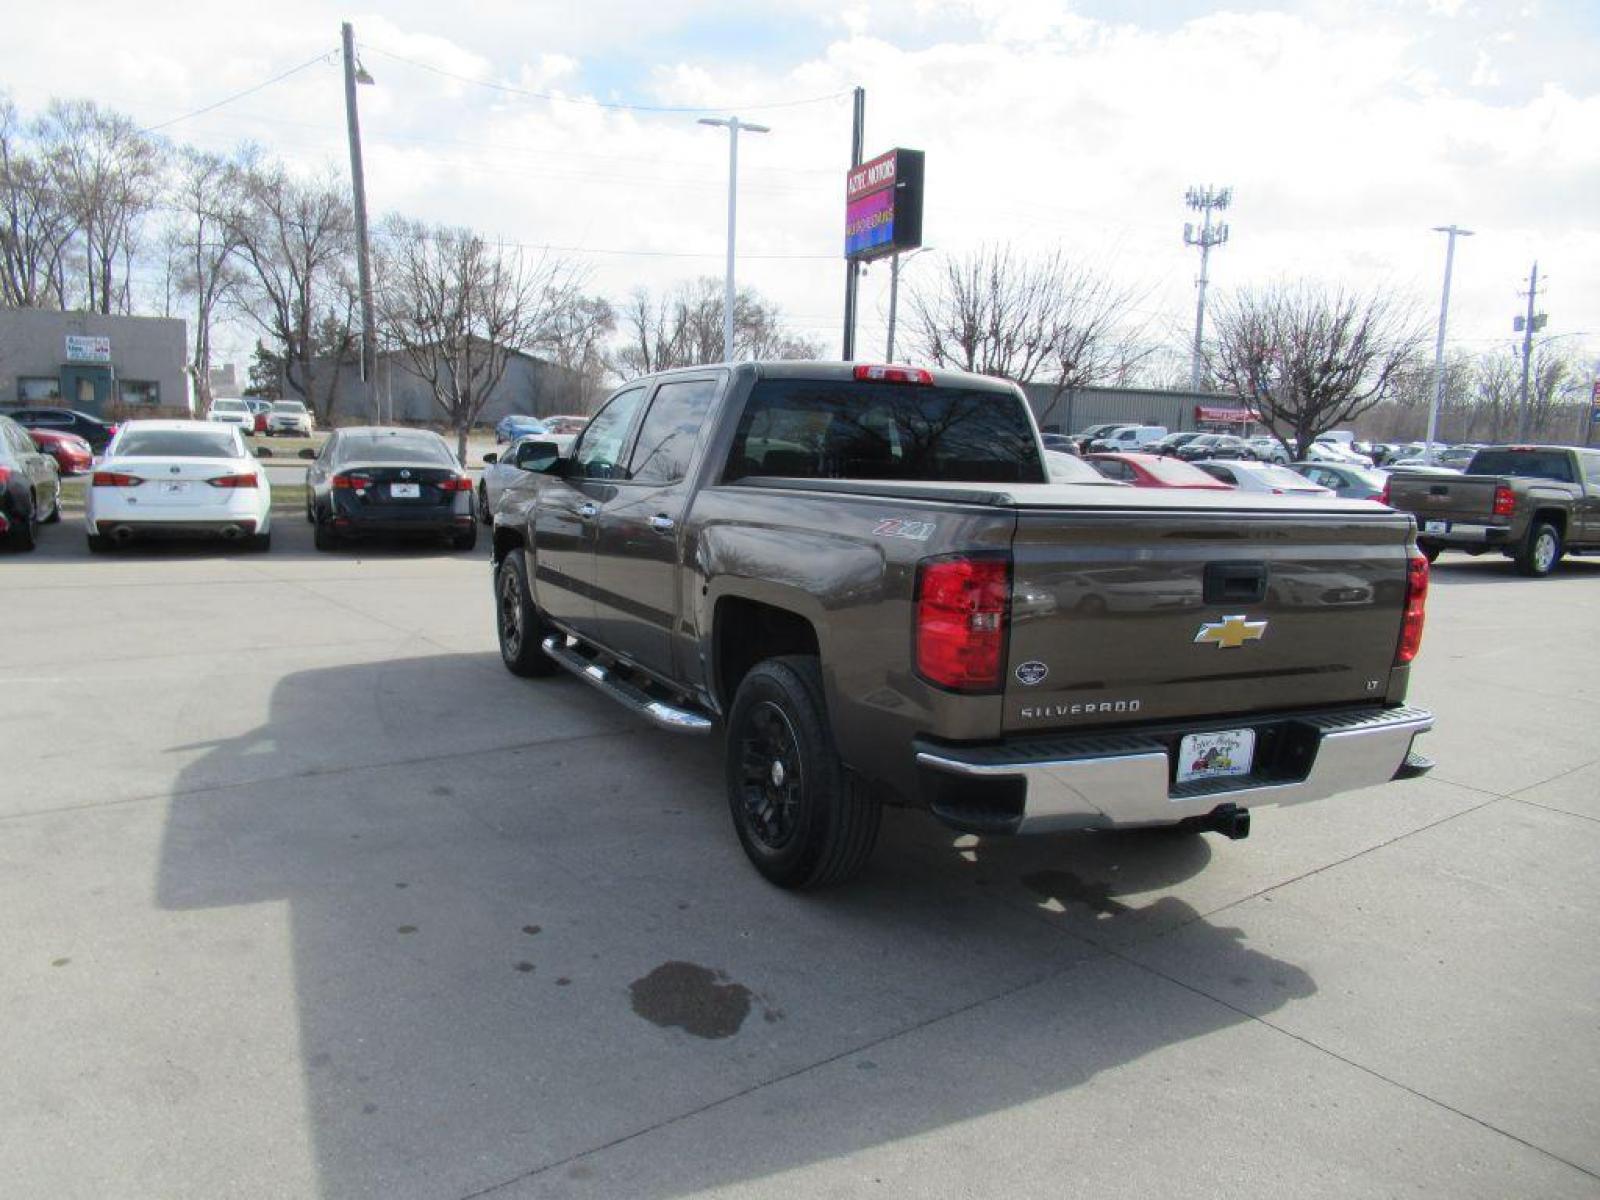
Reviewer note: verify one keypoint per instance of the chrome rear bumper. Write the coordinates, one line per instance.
(1125, 780)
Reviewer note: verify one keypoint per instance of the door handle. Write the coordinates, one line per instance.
(587, 510)
(662, 523)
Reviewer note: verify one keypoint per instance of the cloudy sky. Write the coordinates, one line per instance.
(1347, 129)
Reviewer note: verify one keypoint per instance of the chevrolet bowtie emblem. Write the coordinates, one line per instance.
(1231, 632)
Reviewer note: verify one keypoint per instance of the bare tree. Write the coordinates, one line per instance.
(108, 174)
(684, 328)
(296, 240)
(1310, 358)
(576, 340)
(1047, 320)
(204, 239)
(459, 307)
(36, 225)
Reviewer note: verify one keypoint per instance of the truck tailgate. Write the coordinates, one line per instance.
(1468, 498)
(1120, 617)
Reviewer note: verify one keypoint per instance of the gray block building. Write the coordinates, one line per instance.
(530, 385)
(105, 365)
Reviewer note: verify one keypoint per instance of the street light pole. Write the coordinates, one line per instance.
(894, 294)
(354, 73)
(1452, 232)
(733, 125)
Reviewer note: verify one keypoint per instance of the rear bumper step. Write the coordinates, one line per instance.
(1124, 780)
(598, 675)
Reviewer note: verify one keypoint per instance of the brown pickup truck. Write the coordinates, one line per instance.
(865, 577)
(1531, 503)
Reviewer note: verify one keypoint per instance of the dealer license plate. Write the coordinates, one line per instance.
(174, 489)
(1436, 527)
(405, 491)
(1215, 755)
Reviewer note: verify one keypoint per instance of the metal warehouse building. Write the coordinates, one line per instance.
(1078, 408)
(105, 365)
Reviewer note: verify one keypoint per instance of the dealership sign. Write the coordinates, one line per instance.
(883, 206)
(81, 348)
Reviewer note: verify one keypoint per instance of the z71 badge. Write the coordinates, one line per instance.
(916, 531)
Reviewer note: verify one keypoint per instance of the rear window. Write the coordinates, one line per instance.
(395, 447)
(289, 406)
(179, 443)
(846, 429)
(1536, 464)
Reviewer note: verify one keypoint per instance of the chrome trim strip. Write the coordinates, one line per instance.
(1128, 790)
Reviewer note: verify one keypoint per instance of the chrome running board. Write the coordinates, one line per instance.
(658, 713)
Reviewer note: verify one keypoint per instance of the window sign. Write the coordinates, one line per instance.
(83, 348)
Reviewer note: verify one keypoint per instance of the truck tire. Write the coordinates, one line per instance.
(519, 624)
(1541, 552)
(323, 537)
(803, 820)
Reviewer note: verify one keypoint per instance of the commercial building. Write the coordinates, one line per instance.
(1078, 408)
(110, 366)
(530, 386)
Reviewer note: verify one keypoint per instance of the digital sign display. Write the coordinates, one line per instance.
(883, 206)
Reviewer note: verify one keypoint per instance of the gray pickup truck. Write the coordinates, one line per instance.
(862, 574)
(1530, 503)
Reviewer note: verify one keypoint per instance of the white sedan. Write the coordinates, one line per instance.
(1262, 477)
(177, 479)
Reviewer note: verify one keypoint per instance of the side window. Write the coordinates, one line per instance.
(1225, 475)
(1112, 469)
(600, 449)
(1591, 468)
(667, 437)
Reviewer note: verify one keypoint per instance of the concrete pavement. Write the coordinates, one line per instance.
(306, 896)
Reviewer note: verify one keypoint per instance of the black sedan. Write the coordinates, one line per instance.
(1214, 445)
(369, 480)
(30, 487)
(93, 430)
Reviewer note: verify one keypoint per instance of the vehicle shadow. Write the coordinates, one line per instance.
(523, 941)
(1451, 569)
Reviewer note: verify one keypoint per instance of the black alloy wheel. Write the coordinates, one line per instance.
(517, 621)
(25, 530)
(484, 515)
(803, 819)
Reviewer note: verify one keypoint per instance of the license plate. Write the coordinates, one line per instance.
(1215, 755)
(174, 489)
(405, 491)
(1436, 527)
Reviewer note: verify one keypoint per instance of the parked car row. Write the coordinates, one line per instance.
(280, 418)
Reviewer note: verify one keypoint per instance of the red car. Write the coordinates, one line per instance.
(1154, 471)
(73, 455)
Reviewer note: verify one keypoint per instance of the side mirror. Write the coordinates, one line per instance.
(308, 452)
(542, 458)
(491, 458)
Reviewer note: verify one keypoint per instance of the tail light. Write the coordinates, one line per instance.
(456, 483)
(233, 481)
(875, 373)
(1505, 501)
(1416, 603)
(5, 476)
(114, 479)
(1383, 496)
(962, 605)
(354, 482)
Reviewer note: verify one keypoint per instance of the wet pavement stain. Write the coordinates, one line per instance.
(402, 885)
(563, 981)
(525, 967)
(530, 930)
(1067, 887)
(369, 1109)
(442, 790)
(407, 929)
(59, 962)
(693, 998)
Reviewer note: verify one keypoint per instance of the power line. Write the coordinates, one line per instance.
(584, 100)
(324, 56)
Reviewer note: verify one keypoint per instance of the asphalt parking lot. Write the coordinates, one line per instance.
(305, 896)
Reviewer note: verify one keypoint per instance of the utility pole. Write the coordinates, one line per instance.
(1203, 200)
(1453, 233)
(733, 125)
(858, 137)
(1527, 326)
(354, 73)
